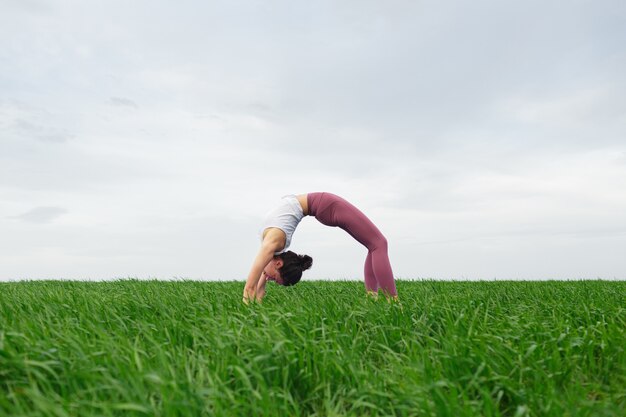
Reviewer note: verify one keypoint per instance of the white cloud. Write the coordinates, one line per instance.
(485, 139)
(123, 102)
(41, 215)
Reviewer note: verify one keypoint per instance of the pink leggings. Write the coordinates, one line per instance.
(334, 211)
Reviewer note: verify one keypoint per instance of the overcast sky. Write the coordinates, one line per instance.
(486, 139)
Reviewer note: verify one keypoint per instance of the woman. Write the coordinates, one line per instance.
(275, 263)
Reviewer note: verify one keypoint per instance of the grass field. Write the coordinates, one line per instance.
(321, 348)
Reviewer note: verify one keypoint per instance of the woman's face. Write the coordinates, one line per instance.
(271, 270)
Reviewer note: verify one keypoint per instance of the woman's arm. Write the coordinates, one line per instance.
(260, 288)
(262, 258)
(273, 241)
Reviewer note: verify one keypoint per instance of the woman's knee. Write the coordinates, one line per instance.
(380, 243)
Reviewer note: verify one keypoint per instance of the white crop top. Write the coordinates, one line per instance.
(284, 217)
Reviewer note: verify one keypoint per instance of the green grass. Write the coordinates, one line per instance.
(150, 348)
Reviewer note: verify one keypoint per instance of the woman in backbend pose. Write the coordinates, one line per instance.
(275, 263)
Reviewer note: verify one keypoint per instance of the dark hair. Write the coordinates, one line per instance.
(293, 265)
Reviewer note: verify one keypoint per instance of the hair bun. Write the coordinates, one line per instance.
(305, 262)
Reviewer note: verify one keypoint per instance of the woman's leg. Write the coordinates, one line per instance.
(371, 285)
(382, 268)
(333, 210)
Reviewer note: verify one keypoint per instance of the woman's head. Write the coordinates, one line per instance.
(287, 267)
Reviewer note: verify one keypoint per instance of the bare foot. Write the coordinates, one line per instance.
(372, 294)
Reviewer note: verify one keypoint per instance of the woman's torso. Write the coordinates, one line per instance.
(302, 199)
(285, 218)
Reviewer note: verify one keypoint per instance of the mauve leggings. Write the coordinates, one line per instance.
(334, 211)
